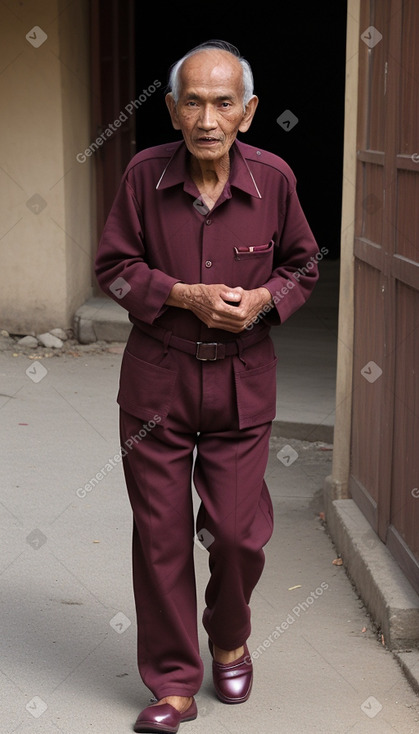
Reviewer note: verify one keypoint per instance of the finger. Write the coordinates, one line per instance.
(231, 297)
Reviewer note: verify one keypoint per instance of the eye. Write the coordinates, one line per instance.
(225, 105)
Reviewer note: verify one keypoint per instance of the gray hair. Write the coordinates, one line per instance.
(174, 82)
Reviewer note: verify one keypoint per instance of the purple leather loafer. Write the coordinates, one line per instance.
(164, 718)
(233, 681)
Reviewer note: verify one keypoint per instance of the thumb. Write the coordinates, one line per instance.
(232, 294)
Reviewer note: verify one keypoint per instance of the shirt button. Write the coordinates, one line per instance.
(209, 221)
(208, 264)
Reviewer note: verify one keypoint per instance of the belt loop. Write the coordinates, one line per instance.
(166, 341)
(240, 351)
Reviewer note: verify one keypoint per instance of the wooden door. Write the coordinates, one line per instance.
(384, 477)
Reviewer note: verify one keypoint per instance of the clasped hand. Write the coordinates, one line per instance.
(212, 304)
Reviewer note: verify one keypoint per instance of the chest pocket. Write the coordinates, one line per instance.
(253, 265)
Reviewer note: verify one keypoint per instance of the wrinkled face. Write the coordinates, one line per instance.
(209, 111)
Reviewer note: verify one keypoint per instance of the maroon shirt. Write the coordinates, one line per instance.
(159, 232)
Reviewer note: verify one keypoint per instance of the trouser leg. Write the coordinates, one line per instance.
(235, 521)
(158, 476)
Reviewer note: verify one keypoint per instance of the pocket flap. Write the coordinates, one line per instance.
(241, 253)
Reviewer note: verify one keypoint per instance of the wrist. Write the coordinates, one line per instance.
(267, 296)
(178, 295)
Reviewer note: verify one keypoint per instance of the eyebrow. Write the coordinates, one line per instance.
(218, 98)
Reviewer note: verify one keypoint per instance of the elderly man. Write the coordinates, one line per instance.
(207, 247)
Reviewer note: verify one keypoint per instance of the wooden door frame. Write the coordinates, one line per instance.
(113, 87)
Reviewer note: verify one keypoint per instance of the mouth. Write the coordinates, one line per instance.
(207, 140)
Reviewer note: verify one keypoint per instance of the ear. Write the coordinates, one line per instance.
(249, 114)
(171, 106)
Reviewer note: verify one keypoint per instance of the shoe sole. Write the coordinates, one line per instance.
(154, 727)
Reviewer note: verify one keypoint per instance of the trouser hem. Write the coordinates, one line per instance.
(175, 692)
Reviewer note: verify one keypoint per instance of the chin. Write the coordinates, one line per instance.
(208, 154)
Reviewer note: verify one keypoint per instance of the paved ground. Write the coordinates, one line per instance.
(306, 346)
(68, 629)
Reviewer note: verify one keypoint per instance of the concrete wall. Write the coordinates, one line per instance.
(45, 194)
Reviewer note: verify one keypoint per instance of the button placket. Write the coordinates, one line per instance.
(207, 249)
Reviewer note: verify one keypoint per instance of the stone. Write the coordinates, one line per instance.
(28, 341)
(84, 330)
(59, 333)
(119, 349)
(50, 341)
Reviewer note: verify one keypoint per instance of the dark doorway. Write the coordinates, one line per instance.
(298, 61)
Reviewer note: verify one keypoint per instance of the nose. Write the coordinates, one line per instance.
(207, 118)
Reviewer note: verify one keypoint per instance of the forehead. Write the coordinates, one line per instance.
(213, 70)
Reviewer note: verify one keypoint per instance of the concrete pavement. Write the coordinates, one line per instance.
(68, 625)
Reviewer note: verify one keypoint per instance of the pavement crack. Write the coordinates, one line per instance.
(78, 413)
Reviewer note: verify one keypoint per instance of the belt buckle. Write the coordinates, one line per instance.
(204, 348)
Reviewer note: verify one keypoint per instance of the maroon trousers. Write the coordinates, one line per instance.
(234, 521)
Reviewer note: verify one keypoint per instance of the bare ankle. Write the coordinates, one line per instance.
(227, 656)
(180, 703)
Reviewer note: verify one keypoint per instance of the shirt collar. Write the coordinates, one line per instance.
(176, 170)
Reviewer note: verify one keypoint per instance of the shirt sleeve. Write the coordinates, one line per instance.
(295, 263)
(120, 265)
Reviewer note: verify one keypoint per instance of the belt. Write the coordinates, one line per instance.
(204, 351)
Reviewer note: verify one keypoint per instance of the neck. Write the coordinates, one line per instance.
(210, 174)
